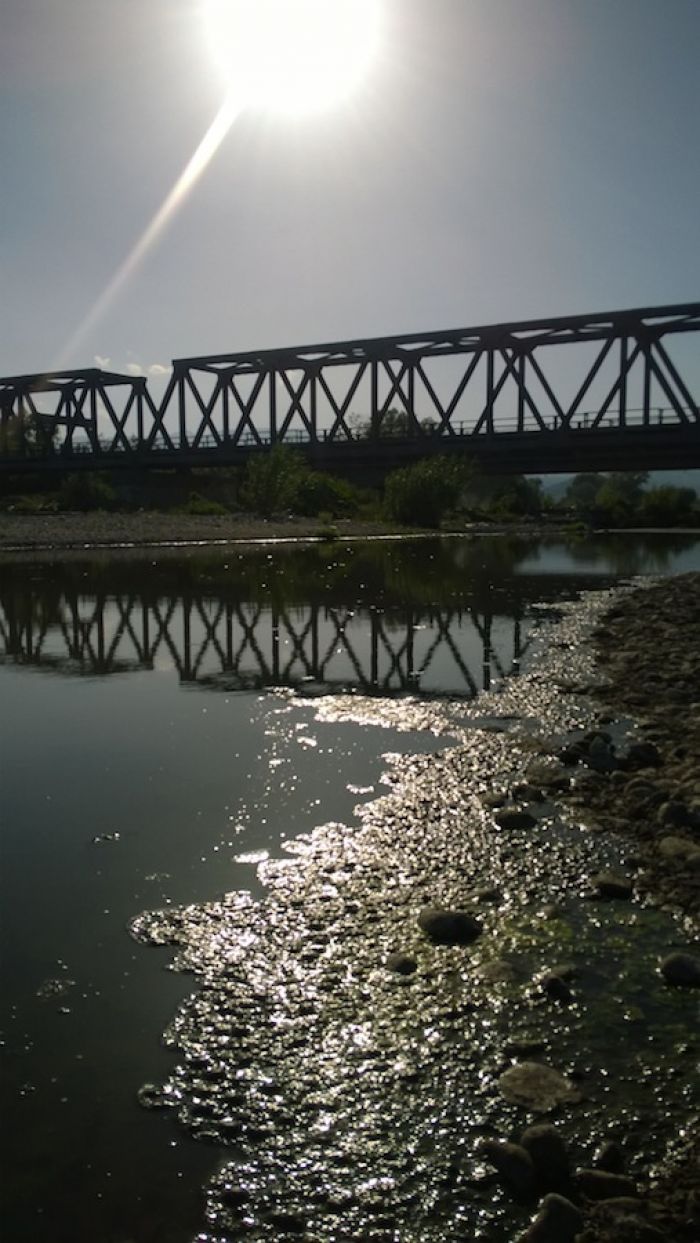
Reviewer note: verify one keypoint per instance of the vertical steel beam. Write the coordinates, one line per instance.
(646, 398)
(374, 398)
(93, 433)
(181, 410)
(411, 400)
(521, 392)
(225, 381)
(313, 405)
(624, 353)
(489, 392)
(273, 406)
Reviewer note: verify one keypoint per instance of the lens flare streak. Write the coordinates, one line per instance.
(188, 178)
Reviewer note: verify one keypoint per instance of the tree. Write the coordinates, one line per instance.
(582, 491)
(668, 506)
(271, 480)
(618, 499)
(394, 424)
(421, 494)
(27, 435)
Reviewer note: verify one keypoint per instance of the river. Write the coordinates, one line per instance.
(168, 725)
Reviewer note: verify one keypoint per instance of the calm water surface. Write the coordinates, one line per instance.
(153, 745)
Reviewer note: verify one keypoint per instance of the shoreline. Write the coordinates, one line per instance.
(118, 532)
(103, 531)
(450, 831)
(647, 647)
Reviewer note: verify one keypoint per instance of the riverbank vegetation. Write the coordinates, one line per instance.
(431, 494)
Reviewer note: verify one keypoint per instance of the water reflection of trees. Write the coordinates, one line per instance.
(647, 554)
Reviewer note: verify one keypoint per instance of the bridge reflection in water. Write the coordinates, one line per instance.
(246, 645)
(428, 616)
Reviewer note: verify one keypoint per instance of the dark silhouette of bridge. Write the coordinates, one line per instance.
(587, 392)
(245, 645)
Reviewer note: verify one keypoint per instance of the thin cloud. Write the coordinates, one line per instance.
(103, 363)
(159, 369)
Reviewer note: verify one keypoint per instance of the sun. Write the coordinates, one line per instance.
(292, 56)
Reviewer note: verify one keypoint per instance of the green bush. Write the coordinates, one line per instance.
(271, 480)
(422, 494)
(668, 506)
(198, 504)
(317, 494)
(85, 492)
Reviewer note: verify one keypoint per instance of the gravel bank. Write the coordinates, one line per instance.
(151, 529)
(408, 988)
(648, 649)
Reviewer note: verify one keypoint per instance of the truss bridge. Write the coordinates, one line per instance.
(611, 391)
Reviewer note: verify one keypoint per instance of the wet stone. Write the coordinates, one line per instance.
(558, 1221)
(537, 1087)
(498, 971)
(515, 818)
(546, 1146)
(676, 848)
(601, 1185)
(445, 927)
(556, 988)
(401, 964)
(601, 756)
(513, 1163)
(612, 886)
(610, 1157)
(682, 969)
(642, 755)
(488, 893)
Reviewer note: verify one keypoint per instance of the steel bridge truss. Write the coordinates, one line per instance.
(486, 380)
(86, 410)
(615, 369)
(244, 645)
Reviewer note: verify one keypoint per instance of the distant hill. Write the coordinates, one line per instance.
(556, 485)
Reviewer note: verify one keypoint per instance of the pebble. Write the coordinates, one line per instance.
(445, 927)
(515, 818)
(401, 964)
(558, 1221)
(546, 1146)
(601, 1185)
(682, 969)
(609, 1157)
(609, 885)
(513, 1162)
(537, 1087)
(555, 987)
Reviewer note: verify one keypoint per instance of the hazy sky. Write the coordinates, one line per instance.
(506, 159)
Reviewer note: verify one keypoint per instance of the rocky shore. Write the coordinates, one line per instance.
(149, 528)
(648, 649)
(476, 1006)
(647, 657)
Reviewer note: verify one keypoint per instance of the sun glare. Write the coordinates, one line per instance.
(292, 56)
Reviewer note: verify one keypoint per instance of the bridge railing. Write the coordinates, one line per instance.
(662, 416)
